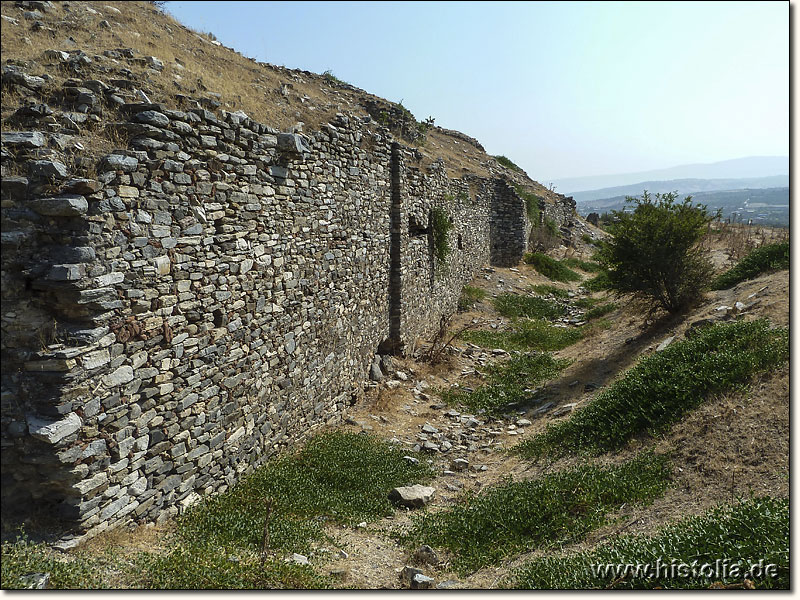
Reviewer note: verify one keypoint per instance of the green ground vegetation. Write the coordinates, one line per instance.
(746, 532)
(662, 387)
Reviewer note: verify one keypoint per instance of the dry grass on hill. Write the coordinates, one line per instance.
(198, 66)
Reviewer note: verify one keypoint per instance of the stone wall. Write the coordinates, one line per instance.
(510, 226)
(181, 310)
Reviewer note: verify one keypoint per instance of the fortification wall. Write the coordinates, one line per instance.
(181, 310)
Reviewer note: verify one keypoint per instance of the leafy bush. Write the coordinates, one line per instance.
(545, 289)
(748, 532)
(767, 258)
(331, 78)
(525, 335)
(550, 267)
(506, 162)
(654, 252)
(662, 387)
(514, 305)
(557, 508)
(469, 296)
(441, 226)
(508, 382)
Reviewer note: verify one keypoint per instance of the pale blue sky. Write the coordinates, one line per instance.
(564, 89)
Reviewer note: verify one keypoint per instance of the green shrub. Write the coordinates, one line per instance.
(550, 267)
(748, 532)
(767, 258)
(588, 239)
(331, 78)
(506, 162)
(508, 382)
(662, 387)
(600, 311)
(654, 252)
(441, 226)
(515, 305)
(469, 296)
(525, 335)
(545, 289)
(557, 508)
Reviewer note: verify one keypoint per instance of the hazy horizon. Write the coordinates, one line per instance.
(737, 168)
(562, 89)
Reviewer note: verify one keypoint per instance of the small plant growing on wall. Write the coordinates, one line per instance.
(440, 227)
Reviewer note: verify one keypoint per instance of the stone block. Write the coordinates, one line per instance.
(70, 205)
(53, 432)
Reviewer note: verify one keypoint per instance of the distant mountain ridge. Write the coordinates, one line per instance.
(683, 186)
(737, 168)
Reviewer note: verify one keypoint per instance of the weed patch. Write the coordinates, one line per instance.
(507, 163)
(557, 508)
(441, 226)
(545, 290)
(515, 305)
(338, 476)
(469, 296)
(586, 302)
(749, 531)
(583, 265)
(24, 557)
(201, 566)
(771, 257)
(550, 267)
(656, 392)
(341, 476)
(526, 335)
(508, 382)
(598, 283)
(600, 311)
(531, 203)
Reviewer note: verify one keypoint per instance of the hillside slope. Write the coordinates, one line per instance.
(131, 48)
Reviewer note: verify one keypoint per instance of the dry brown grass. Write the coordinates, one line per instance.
(739, 239)
(197, 67)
